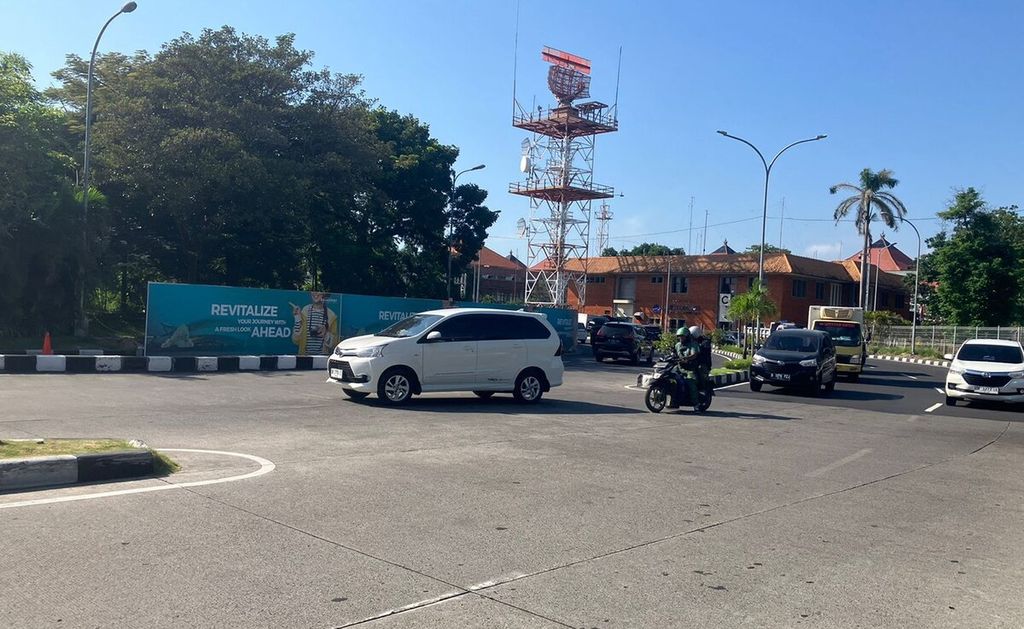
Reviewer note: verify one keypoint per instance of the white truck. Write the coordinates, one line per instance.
(845, 324)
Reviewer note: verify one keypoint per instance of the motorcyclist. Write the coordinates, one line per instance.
(702, 368)
(687, 351)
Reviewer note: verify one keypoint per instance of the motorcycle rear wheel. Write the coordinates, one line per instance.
(656, 398)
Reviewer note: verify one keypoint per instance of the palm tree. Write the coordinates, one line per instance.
(868, 196)
(753, 305)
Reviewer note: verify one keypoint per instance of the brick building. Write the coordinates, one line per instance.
(886, 256)
(697, 289)
(502, 279)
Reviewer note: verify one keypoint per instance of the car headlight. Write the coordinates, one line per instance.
(370, 352)
(810, 362)
(338, 351)
(956, 368)
(757, 360)
(1016, 374)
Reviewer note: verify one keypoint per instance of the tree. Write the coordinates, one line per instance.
(754, 305)
(645, 249)
(768, 249)
(40, 217)
(869, 196)
(977, 267)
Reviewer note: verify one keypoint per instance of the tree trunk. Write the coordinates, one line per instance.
(864, 258)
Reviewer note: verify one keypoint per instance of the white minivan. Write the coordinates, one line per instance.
(482, 350)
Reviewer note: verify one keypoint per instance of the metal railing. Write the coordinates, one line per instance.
(943, 339)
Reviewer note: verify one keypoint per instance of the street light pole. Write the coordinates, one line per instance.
(764, 211)
(767, 174)
(451, 211)
(82, 323)
(917, 283)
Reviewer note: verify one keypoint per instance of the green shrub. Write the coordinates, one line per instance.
(739, 364)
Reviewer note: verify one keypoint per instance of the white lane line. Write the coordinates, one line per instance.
(910, 376)
(913, 418)
(731, 386)
(941, 392)
(265, 468)
(932, 407)
(839, 463)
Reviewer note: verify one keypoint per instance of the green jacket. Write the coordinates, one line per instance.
(687, 352)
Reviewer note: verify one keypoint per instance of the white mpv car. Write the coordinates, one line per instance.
(482, 350)
(986, 369)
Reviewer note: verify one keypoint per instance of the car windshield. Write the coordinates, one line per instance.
(611, 330)
(791, 343)
(991, 353)
(410, 326)
(843, 334)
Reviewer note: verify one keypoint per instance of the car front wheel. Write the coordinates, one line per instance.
(395, 387)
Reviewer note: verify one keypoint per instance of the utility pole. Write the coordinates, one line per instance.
(704, 243)
(689, 232)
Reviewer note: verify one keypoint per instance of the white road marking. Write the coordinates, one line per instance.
(839, 463)
(932, 407)
(265, 468)
(913, 418)
(940, 390)
(730, 386)
(910, 376)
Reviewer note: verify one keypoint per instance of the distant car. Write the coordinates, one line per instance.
(581, 333)
(595, 323)
(619, 339)
(795, 358)
(986, 369)
(482, 350)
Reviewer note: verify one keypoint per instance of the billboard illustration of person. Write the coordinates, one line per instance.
(316, 326)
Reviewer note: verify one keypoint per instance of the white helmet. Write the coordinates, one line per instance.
(694, 331)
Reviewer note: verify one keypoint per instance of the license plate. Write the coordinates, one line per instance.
(992, 390)
(781, 376)
(336, 373)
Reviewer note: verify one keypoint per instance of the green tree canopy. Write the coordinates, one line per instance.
(977, 266)
(40, 220)
(645, 249)
(768, 248)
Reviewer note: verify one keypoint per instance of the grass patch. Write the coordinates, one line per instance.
(735, 349)
(740, 364)
(922, 352)
(721, 371)
(163, 465)
(52, 447)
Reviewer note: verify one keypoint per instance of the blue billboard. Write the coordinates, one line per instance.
(201, 320)
(365, 314)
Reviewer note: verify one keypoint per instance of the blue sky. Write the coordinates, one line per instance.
(930, 90)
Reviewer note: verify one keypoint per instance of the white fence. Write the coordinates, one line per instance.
(942, 338)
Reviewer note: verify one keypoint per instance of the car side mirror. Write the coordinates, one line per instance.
(433, 336)
(948, 356)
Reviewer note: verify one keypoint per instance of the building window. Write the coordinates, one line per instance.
(678, 284)
(799, 288)
(899, 301)
(595, 279)
(819, 290)
(657, 279)
(728, 285)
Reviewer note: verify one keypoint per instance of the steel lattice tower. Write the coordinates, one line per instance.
(559, 166)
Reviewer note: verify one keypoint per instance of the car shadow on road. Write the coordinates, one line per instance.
(838, 394)
(734, 415)
(505, 404)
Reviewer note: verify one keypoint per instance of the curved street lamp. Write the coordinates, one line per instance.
(82, 323)
(451, 211)
(767, 174)
(917, 282)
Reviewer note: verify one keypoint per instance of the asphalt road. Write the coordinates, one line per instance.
(771, 510)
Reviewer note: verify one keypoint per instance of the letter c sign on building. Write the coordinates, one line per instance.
(723, 307)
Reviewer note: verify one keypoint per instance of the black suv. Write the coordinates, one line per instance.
(622, 340)
(795, 358)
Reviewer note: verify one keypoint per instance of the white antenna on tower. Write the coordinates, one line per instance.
(603, 216)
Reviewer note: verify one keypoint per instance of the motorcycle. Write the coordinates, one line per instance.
(667, 387)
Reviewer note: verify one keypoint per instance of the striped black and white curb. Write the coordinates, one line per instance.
(720, 380)
(19, 363)
(68, 469)
(905, 359)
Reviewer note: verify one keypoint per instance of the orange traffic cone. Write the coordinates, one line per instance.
(47, 347)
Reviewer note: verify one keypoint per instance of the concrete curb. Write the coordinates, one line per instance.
(27, 363)
(719, 380)
(67, 469)
(904, 359)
